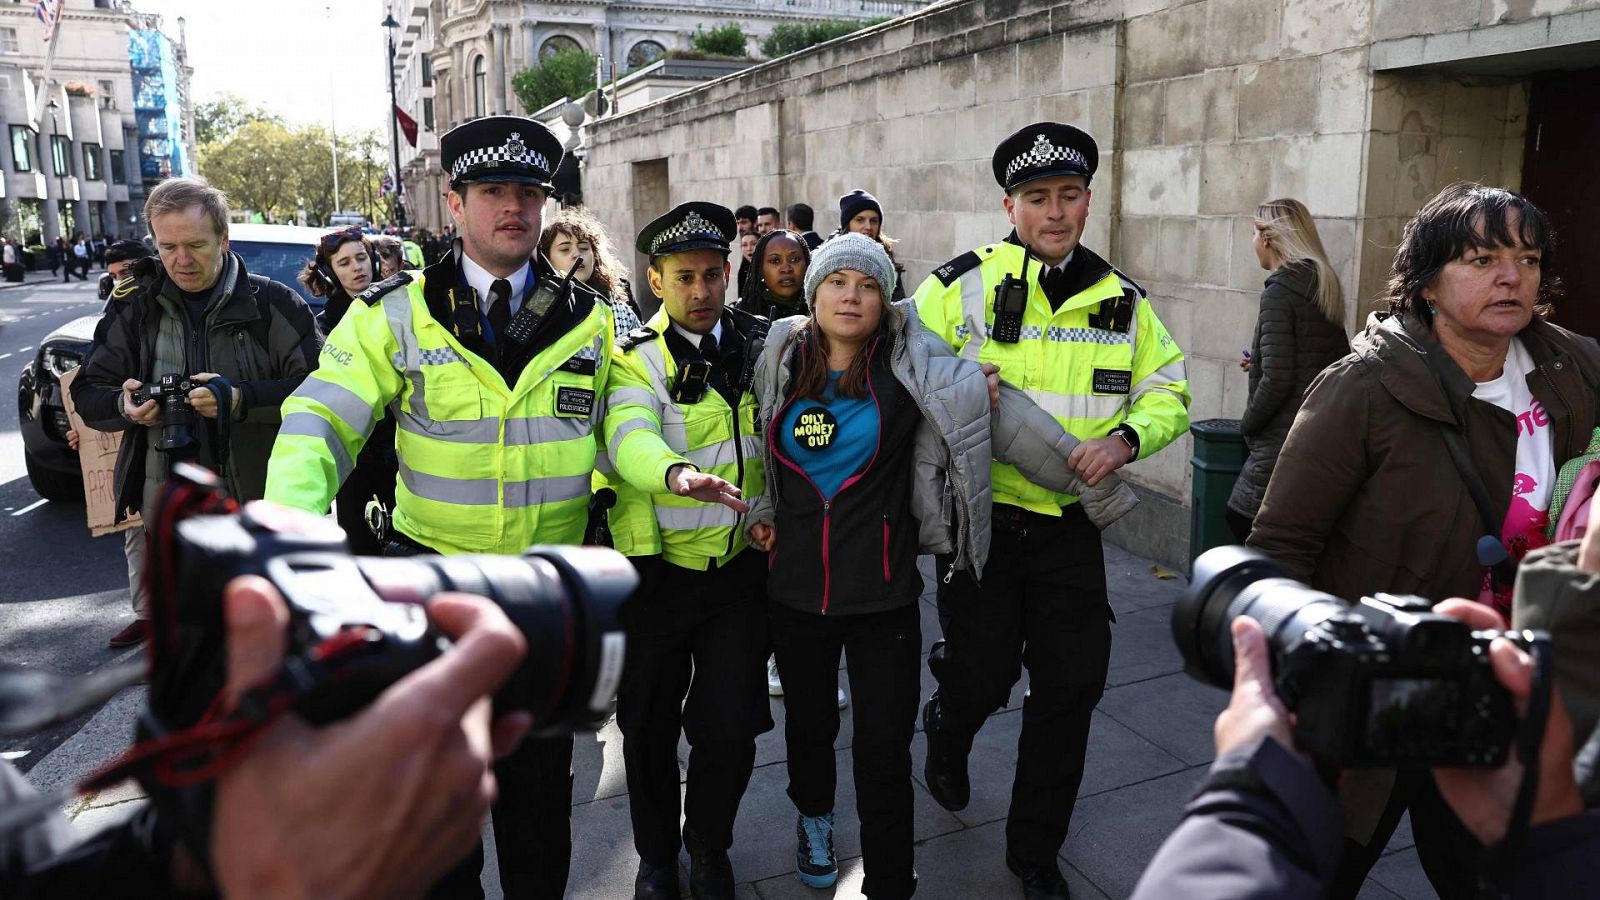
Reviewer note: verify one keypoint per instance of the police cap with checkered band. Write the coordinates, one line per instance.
(1044, 150)
(689, 226)
(500, 148)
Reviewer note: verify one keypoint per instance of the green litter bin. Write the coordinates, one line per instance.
(1218, 456)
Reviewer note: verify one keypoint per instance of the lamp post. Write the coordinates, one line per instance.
(61, 176)
(394, 127)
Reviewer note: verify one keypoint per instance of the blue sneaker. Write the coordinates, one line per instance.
(814, 861)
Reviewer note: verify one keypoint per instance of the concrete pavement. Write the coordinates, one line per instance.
(1149, 747)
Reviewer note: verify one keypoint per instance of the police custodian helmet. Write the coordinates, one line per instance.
(689, 226)
(1044, 150)
(500, 148)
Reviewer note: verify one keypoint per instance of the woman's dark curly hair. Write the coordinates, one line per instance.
(1462, 217)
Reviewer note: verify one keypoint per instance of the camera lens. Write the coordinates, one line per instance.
(1229, 582)
(564, 600)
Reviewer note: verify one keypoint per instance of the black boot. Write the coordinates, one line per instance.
(656, 882)
(710, 871)
(945, 769)
(1039, 882)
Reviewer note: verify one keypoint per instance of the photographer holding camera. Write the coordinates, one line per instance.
(205, 329)
(383, 802)
(1263, 824)
(1424, 462)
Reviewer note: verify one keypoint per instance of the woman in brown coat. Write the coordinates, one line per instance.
(1366, 497)
(1299, 332)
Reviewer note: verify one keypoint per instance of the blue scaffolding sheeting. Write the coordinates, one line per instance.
(156, 106)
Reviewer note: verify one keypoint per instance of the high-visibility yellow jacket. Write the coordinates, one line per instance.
(484, 467)
(412, 251)
(1090, 368)
(647, 432)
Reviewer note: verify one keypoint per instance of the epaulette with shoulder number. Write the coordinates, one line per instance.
(636, 337)
(1128, 283)
(375, 292)
(955, 268)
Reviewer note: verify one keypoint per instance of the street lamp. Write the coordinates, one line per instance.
(61, 175)
(394, 126)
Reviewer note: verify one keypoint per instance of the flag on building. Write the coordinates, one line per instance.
(408, 125)
(48, 12)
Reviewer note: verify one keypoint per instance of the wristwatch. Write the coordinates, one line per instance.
(1129, 437)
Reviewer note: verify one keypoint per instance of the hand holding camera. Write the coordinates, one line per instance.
(431, 730)
(137, 405)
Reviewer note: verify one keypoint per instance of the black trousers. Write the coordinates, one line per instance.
(1449, 852)
(532, 827)
(1042, 604)
(373, 476)
(697, 649)
(884, 654)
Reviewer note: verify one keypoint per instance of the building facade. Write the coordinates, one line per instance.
(455, 58)
(1202, 109)
(80, 149)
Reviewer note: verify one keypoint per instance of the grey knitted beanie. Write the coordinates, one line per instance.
(849, 251)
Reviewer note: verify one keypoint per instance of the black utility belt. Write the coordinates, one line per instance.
(1014, 520)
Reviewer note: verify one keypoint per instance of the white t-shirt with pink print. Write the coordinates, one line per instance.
(1529, 513)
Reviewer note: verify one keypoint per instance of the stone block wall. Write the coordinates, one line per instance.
(1202, 108)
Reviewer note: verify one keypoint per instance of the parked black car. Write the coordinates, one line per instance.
(52, 465)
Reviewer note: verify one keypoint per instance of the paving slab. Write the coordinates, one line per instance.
(1114, 834)
(1401, 875)
(764, 840)
(1141, 646)
(1174, 712)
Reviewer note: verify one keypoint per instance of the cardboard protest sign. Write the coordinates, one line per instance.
(97, 452)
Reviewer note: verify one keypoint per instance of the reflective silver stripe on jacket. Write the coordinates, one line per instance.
(1159, 380)
(453, 431)
(408, 359)
(624, 396)
(539, 491)
(722, 452)
(309, 424)
(672, 430)
(545, 430)
(460, 491)
(974, 306)
(1077, 406)
(339, 400)
(693, 518)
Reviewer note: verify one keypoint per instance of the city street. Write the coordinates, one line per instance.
(64, 593)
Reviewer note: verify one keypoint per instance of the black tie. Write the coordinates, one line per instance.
(1054, 283)
(499, 306)
(708, 347)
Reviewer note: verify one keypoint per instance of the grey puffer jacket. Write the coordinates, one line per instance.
(960, 438)
(1293, 342)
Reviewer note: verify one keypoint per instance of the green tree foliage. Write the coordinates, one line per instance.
(792, 37)
(218, 118)
(727, 39)
(276, 170)
(569, 73)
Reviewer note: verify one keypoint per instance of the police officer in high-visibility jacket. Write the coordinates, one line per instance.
(680, 429)
(1083, 341)
(494, 370)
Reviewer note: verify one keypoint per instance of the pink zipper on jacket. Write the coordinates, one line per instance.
(827, 503)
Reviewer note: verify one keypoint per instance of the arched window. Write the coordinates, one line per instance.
(480, 91)
(644, 53)
(558, 44)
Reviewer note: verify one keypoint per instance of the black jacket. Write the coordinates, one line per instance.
(1263, 825)
(858, 552)
(261, 337)
(1293, 343)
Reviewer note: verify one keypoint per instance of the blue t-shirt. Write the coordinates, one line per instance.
(830, 440)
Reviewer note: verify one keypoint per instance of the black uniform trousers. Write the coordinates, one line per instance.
(1043, 604)
(373, 477)
(532, 814)
(884, 654)
(697, 649)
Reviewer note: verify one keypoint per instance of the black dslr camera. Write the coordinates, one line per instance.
(1379, 683)
(177, 414)
(356, 626)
